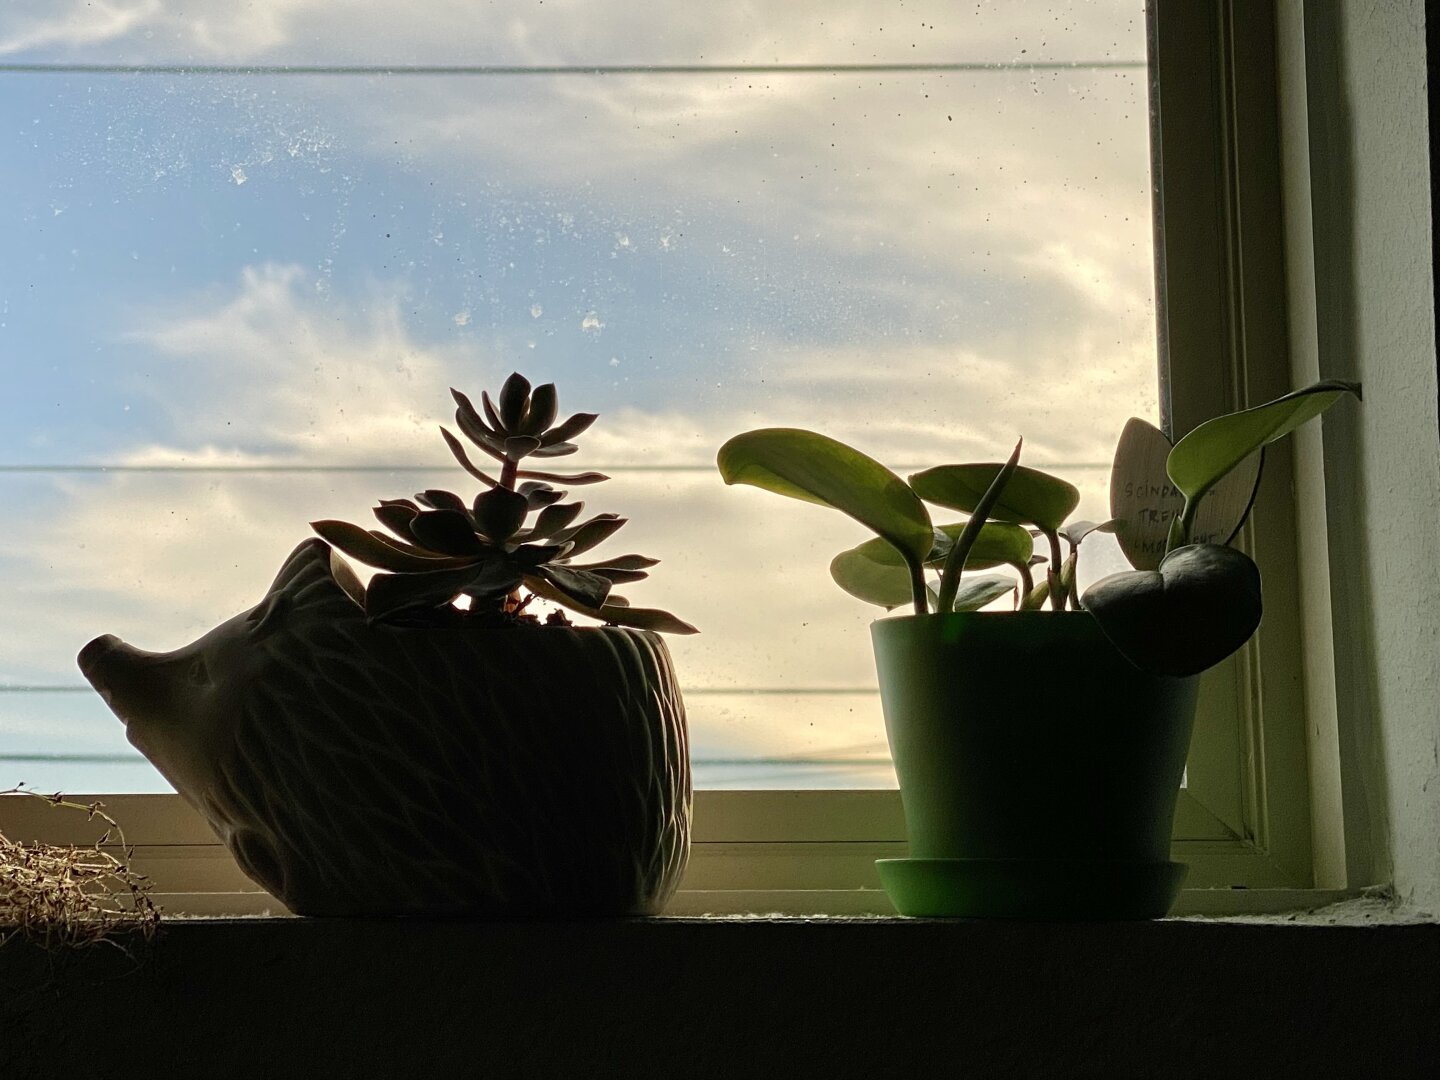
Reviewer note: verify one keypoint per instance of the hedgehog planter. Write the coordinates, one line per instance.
(376, 770)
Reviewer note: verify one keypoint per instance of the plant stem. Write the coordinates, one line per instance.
(1027, 579)
(507, 473)
(1187, 523)
(917, 587)
(1052, 572)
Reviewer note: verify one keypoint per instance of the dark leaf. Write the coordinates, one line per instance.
(590, 533)
(553, 519)
(975, 592)
(579, 585)
(514, 399)
(447, 531)
(561, 449)
(396, 515)
(469, 420)
(538, 494)
(569, 429)
(518, 446)
(492, 415)
(544, 403)
(621, 562)
(1199, 607)
(441, 500)
(464, 460)
(1077, 531)
(616, 576)
(499, 513)
(562, 478)
(528, 555)
(373, 550)
(616, 610)
(496, 578)
(345, 577)
(390, 594)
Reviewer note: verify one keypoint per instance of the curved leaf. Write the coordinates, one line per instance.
(559, 449)
(616, 610)
(974, 593)
(871, 580)
(620, 562)
(1147, 505)
(1200, 606)
(1077, 531)
(544, 403)
(538, 495)
(1203, 457)
(390, 594)
(582, 586)
(959, 553)
(569, 429)
(1031, 497)
(464, 459)
(441, 500)
(396, 515)
(553, 519)
(562, 478)
(514, 399)
(589, 533)
(344, 576)
(372, 550)
(815, 468)
(998, 543)
(499, 513)
(446, 531)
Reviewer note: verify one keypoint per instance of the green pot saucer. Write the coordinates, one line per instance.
(1035, 889)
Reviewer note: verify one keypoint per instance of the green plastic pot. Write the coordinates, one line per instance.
(1039, 769)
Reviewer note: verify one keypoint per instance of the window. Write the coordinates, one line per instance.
(263, 245)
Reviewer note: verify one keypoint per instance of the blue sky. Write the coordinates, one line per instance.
(290, 270)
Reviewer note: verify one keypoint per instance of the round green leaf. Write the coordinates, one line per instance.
(872, 580)
(1198, 608)
(1204, 456)
(815, 468)
(974, 593)
(999, 543)
(1031, 497)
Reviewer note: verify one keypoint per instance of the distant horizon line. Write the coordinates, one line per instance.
(697, 467)
(568, 69)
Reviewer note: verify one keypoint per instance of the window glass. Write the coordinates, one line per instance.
(251, 246)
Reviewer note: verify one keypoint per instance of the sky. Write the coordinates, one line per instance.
(217, 279)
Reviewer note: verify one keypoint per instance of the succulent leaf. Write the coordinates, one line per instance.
(518, 446)
(563, 478)
(491, 414)
(559, 449)
(590, 533)
(436, 499)
(554, 519)
(532, 555)
(616, 610)
(447, 531)
(620, 562)
(538, 495)
(579, 585)
(464, 459)
(514, 400)
(499, 513)
(544, 404)
(374, 551)
(569, 429)
(390, 594)
(396, 516)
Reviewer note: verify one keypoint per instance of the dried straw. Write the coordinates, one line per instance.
(62, 897)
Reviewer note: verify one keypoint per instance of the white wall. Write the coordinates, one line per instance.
(1361, 307)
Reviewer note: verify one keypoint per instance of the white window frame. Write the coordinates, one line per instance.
(1243, 823)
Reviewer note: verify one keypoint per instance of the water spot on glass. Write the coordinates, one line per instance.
(237, 174)
(462, 318)
(536, 311)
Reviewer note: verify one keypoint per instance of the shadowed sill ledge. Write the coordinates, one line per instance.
(1346, 991)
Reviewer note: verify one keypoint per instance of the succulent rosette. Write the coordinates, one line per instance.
(516, 540)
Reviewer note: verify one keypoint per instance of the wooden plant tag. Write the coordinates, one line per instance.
(1144, 501)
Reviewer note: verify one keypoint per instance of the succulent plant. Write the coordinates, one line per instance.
(439, 548)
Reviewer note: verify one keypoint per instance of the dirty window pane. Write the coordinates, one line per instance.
(252, 245)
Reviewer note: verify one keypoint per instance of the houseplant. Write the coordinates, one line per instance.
(1040, 750)
(426, 744)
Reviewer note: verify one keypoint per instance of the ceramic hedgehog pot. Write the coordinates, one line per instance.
(378, 770)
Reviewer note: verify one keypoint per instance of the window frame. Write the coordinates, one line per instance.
(1243, 823)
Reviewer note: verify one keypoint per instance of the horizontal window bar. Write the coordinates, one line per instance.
(429, 468)
(568, 69)
(784, 691)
